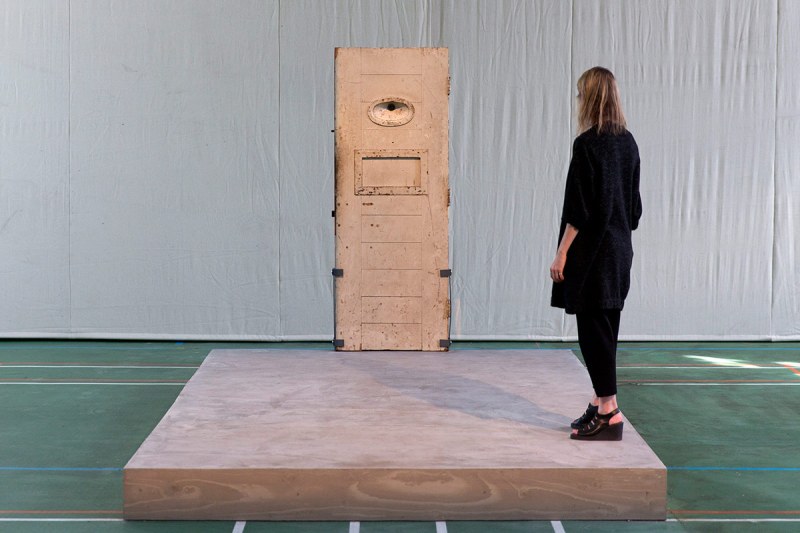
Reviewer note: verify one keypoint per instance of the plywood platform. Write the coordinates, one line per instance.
(317, 435)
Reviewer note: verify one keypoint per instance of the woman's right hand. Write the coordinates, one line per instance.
(557, 268)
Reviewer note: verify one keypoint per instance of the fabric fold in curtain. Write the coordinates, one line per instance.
(166, 168)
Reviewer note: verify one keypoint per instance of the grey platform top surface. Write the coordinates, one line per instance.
(303, 409)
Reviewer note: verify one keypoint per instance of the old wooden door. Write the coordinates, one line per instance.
(392, 196)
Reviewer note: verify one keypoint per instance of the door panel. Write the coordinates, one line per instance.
(391, 283)
(386, 255)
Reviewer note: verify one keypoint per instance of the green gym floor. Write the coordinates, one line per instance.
(723, 418)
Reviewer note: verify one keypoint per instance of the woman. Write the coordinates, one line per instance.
(591, 270)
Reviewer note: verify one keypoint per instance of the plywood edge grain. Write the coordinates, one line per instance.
(392, 494)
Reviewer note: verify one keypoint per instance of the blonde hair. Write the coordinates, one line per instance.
(600, 105)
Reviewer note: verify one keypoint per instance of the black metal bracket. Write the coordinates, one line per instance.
(338, 343)
(445, 273)
(444, 343)
(337, 273)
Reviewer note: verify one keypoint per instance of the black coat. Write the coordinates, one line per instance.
(602, 201)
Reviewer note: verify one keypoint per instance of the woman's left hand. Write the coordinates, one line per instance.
(557, 268)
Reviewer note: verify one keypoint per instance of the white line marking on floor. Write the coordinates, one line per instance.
(721, 361)
(441, 527)
(557, 527)
(355, 527)
(239, 527)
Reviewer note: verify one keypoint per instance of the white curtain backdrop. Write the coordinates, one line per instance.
(166, 166)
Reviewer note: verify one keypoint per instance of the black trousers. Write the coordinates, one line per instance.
(597, 335)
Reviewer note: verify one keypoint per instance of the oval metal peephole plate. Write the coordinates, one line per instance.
(391, 112)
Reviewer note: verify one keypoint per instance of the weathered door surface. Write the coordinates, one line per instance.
(392, 196)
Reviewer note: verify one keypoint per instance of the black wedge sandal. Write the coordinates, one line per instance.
(598, 428)
(585, 418)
